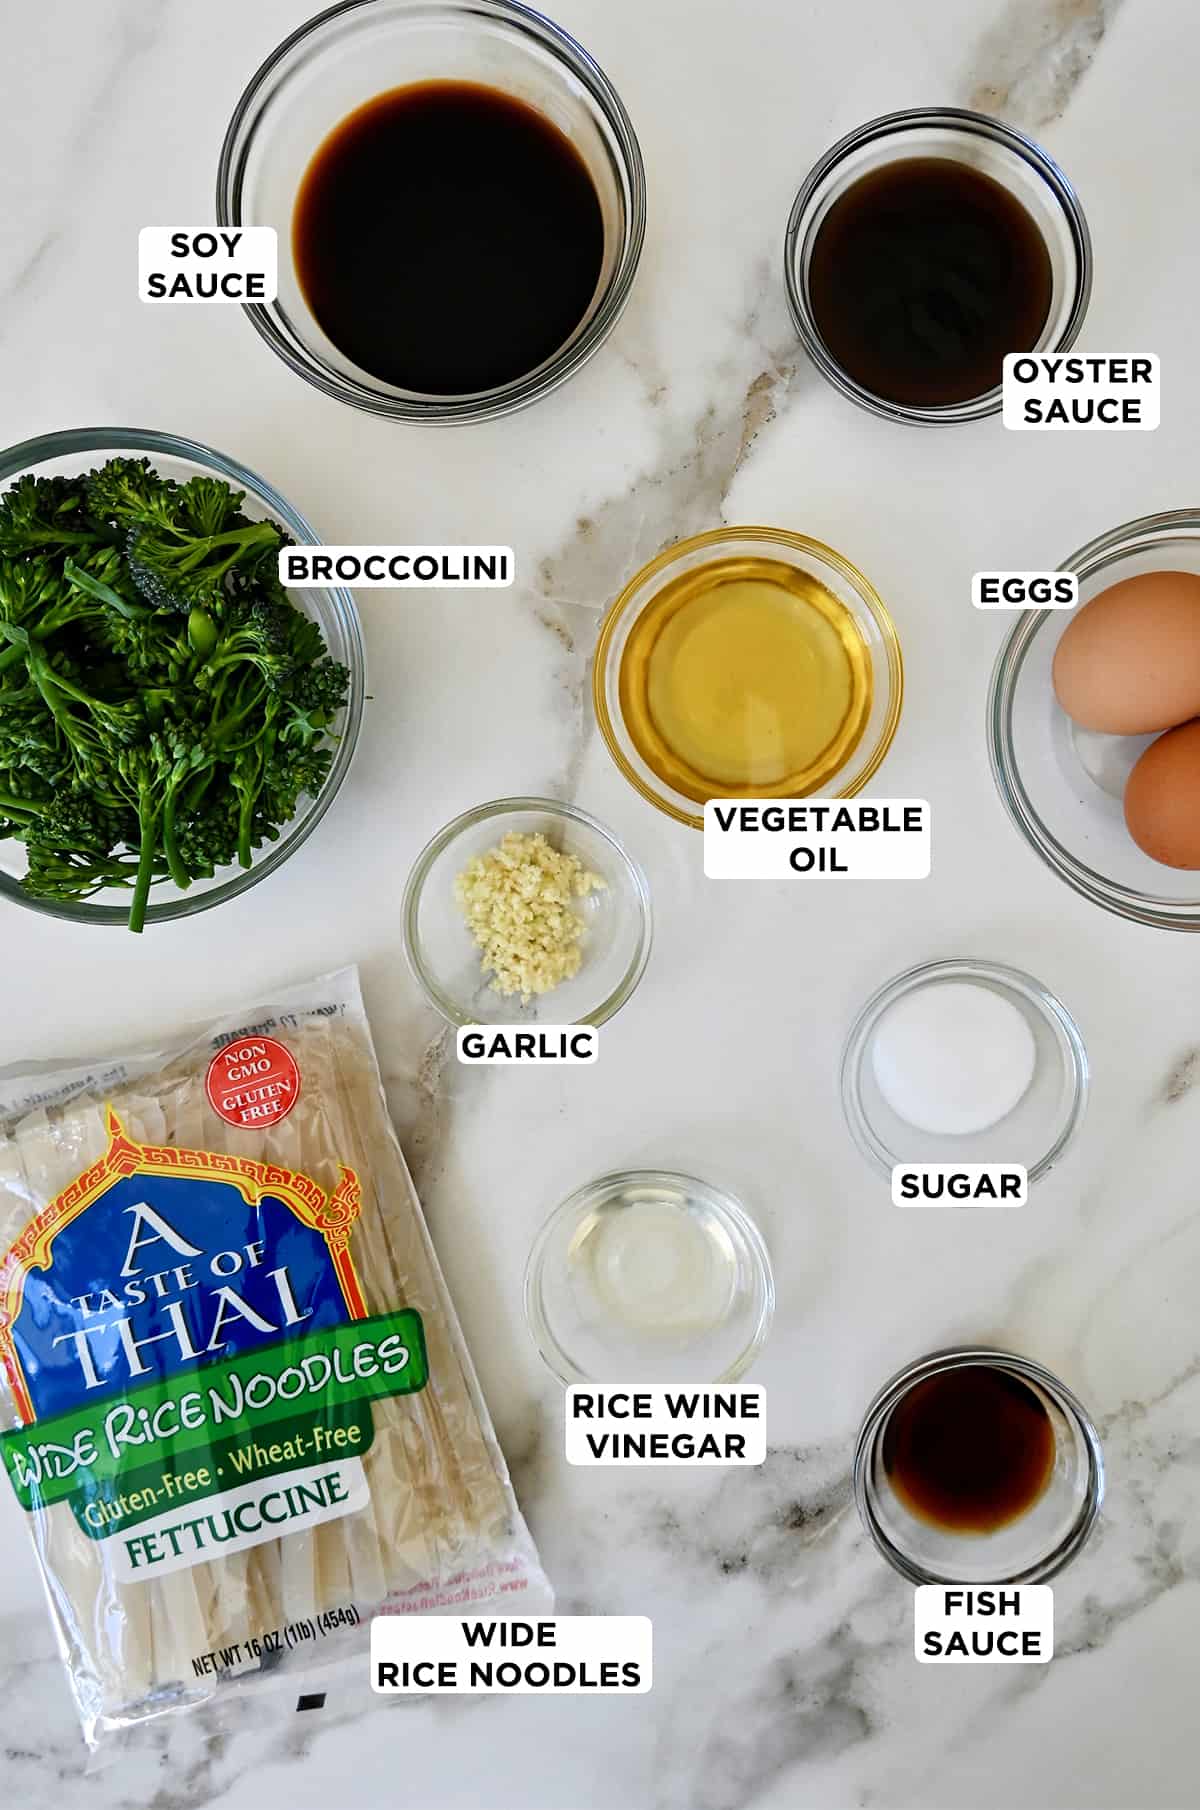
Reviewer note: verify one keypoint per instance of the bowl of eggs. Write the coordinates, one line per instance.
(1094, 724)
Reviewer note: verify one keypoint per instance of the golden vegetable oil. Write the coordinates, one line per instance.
(745, 678)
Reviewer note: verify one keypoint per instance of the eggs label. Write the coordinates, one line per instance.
(509, 1043)
(1025, 590)
(198, 264)
(854, 839)
(1076, 390)
(1010, 1626)
(960, 1184)
(665, 1423)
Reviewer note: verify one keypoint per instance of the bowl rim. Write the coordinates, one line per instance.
(505, 399)
(958, 1357)
(972, 124)
(714, 537)
(1015, 980)
(612, 1181)
(502, 807)
(1139, 535)
(23, 456)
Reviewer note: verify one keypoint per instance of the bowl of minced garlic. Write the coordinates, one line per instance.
(524, 910)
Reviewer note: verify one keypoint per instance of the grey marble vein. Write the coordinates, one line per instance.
(1034, 57)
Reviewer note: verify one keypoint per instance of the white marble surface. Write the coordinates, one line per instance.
(784, 1674)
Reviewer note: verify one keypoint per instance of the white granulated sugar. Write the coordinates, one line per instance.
(953, 1057)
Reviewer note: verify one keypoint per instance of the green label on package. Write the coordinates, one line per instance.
(217, 1435)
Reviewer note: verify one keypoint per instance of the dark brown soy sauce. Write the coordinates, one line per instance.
(923, 275)
(969, 1450)
(447, 238)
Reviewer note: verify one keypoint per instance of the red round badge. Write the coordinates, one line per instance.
(253, 1082)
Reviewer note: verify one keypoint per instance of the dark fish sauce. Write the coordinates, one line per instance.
(969, 1450)
(923, 275)
(447, 238)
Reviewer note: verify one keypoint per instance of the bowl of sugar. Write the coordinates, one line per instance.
(964, 1062)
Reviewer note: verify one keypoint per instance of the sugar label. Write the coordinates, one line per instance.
(959, 1185)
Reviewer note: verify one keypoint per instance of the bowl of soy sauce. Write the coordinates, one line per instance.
(459, 200)
(924, 247)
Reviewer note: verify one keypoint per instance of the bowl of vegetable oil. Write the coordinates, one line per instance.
(747, 663)
(173, 722)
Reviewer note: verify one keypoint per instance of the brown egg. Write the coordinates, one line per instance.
(1162, 798)
(1128, 662)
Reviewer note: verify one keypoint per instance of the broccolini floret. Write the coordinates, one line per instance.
(164, 707)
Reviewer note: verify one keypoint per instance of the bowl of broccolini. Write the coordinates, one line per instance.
(173, 721)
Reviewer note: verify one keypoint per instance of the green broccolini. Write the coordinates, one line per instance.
(164, 707)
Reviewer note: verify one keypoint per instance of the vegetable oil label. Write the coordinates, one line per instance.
(188, 1345)
(854, 839)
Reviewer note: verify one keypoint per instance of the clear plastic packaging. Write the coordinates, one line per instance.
(240, 1415)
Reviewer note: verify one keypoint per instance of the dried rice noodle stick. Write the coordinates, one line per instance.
(106, 1625)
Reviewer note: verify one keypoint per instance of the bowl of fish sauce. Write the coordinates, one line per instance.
(922, 249)
(747, 663)
(459, 200)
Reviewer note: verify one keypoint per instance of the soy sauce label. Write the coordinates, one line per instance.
(1001, 1626)
(1073, 391)
(205, 264)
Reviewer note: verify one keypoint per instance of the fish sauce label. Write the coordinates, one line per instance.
(1005, 1625)
(190, 1352)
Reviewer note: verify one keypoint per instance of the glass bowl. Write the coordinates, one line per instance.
(1063, 786)
(77, 449)
(848, 585)
(1038, 1129)
(647, 1276)
(1028, 1550)
(443, 955)
(999, 151)
(360, 49)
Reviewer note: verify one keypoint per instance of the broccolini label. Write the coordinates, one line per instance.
(177, 1442)
(158, 1259)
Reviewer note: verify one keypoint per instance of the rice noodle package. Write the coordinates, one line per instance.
(239, 1414)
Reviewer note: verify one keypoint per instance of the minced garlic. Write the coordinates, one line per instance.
(517, 903)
